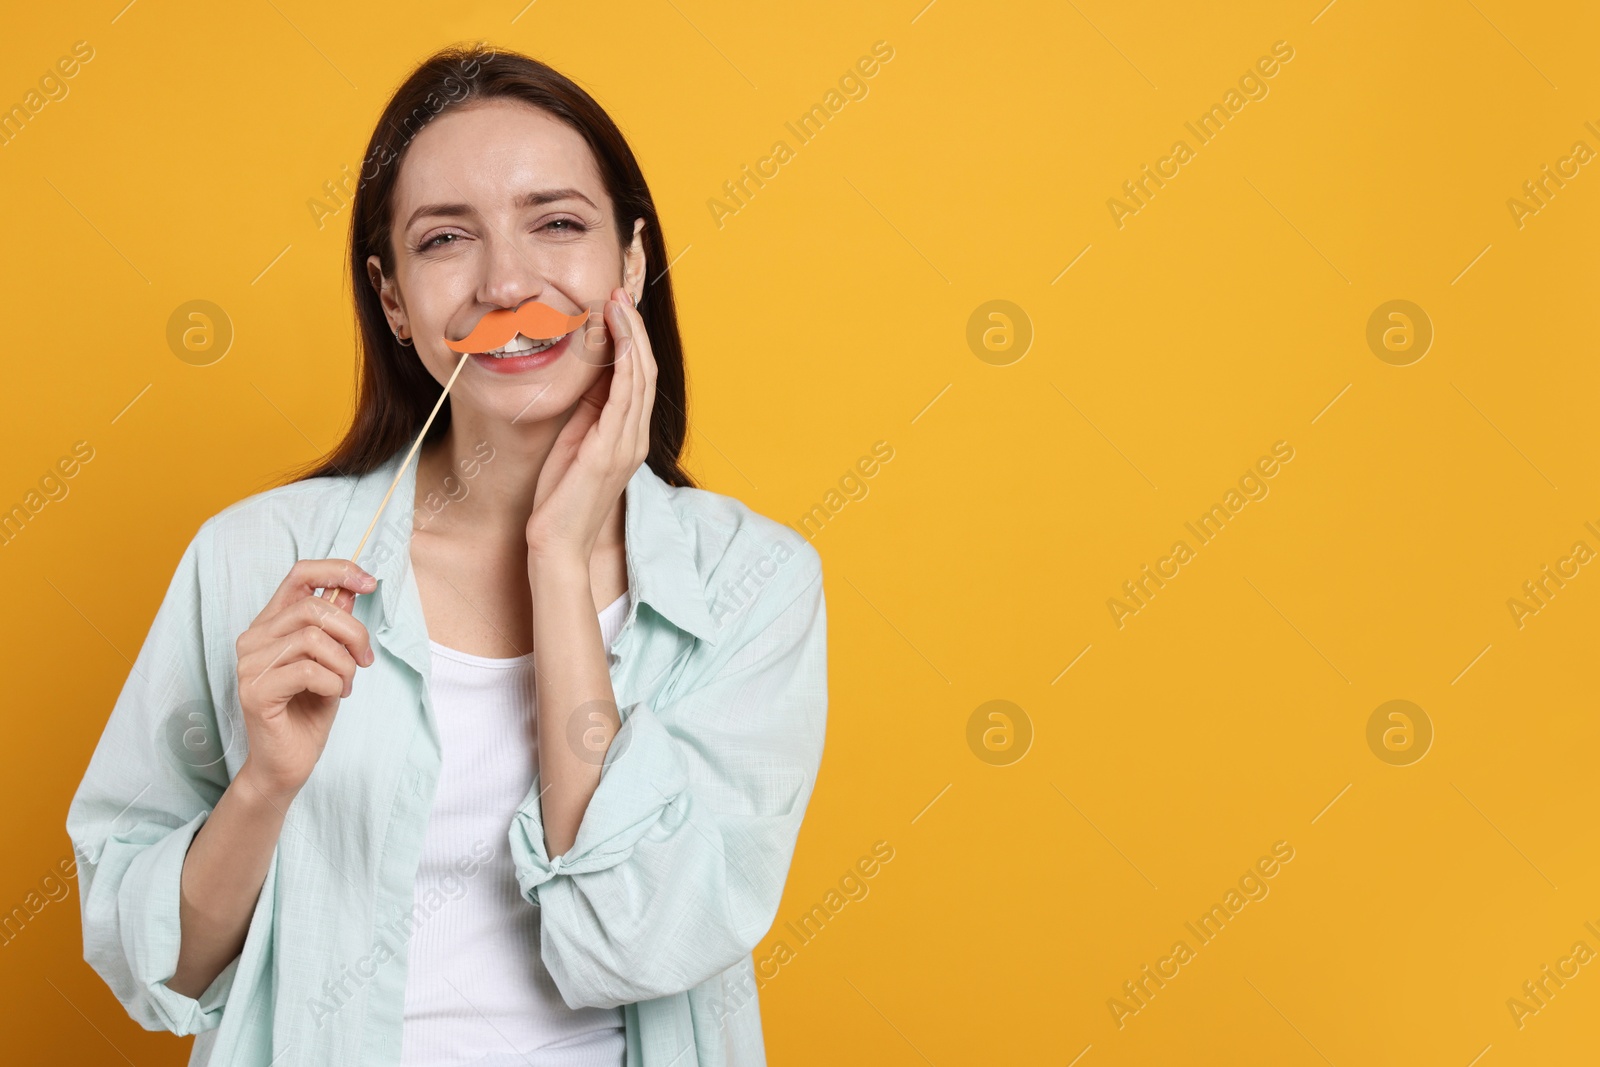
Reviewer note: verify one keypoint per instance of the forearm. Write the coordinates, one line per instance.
(577, 707)
(222, 877)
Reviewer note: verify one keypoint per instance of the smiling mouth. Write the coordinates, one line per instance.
(523, 346)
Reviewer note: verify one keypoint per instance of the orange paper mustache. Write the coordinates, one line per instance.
(532, 320)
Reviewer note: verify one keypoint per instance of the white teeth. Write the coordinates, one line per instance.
(522, 346)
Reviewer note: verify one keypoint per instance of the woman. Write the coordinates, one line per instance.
(525, 785)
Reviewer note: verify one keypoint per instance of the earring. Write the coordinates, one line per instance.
(403, 342)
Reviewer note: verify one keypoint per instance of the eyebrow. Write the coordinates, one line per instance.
(537, 198)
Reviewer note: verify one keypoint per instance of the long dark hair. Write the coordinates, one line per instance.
(396, 392)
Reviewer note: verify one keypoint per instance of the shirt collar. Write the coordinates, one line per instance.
(660, 554)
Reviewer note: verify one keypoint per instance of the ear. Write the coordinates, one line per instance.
(633, 263)
(388, 296)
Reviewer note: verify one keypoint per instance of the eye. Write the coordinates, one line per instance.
(433, 242)
(569, 226)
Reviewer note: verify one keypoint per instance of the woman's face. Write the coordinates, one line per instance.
(498, 204)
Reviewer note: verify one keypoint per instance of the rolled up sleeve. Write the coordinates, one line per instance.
(680, 860)
(154, 777)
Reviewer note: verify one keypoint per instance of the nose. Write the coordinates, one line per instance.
(511, 274)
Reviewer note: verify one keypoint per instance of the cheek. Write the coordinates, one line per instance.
(595, 351)
(439, 364)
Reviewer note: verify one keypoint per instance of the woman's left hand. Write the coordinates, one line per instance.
(600, 447)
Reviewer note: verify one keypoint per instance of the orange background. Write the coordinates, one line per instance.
(833, 311)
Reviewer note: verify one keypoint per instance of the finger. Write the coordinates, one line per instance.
(286, 681)
(309, 575)
(596, 332)
(628, 434)
(644, 360)
(314, 643)
(306, 676)
(646, 409)
(308, 642)
(617, 416)
(647, 404)
(635, 321)
(338, 598)
(314, 611)
(619, 324)
(618, 404)
(641, 354)
(277, 689)
(636, 358)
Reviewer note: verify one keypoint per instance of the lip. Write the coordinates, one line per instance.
(518, 364)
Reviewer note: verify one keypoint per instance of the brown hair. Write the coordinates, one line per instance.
(396, 392)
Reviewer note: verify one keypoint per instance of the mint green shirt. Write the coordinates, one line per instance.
(720, 676)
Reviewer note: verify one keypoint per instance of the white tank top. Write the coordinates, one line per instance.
(476, 990)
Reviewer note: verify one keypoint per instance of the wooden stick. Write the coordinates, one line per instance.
(400, 473)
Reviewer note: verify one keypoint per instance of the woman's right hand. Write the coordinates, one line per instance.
(296, 662)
